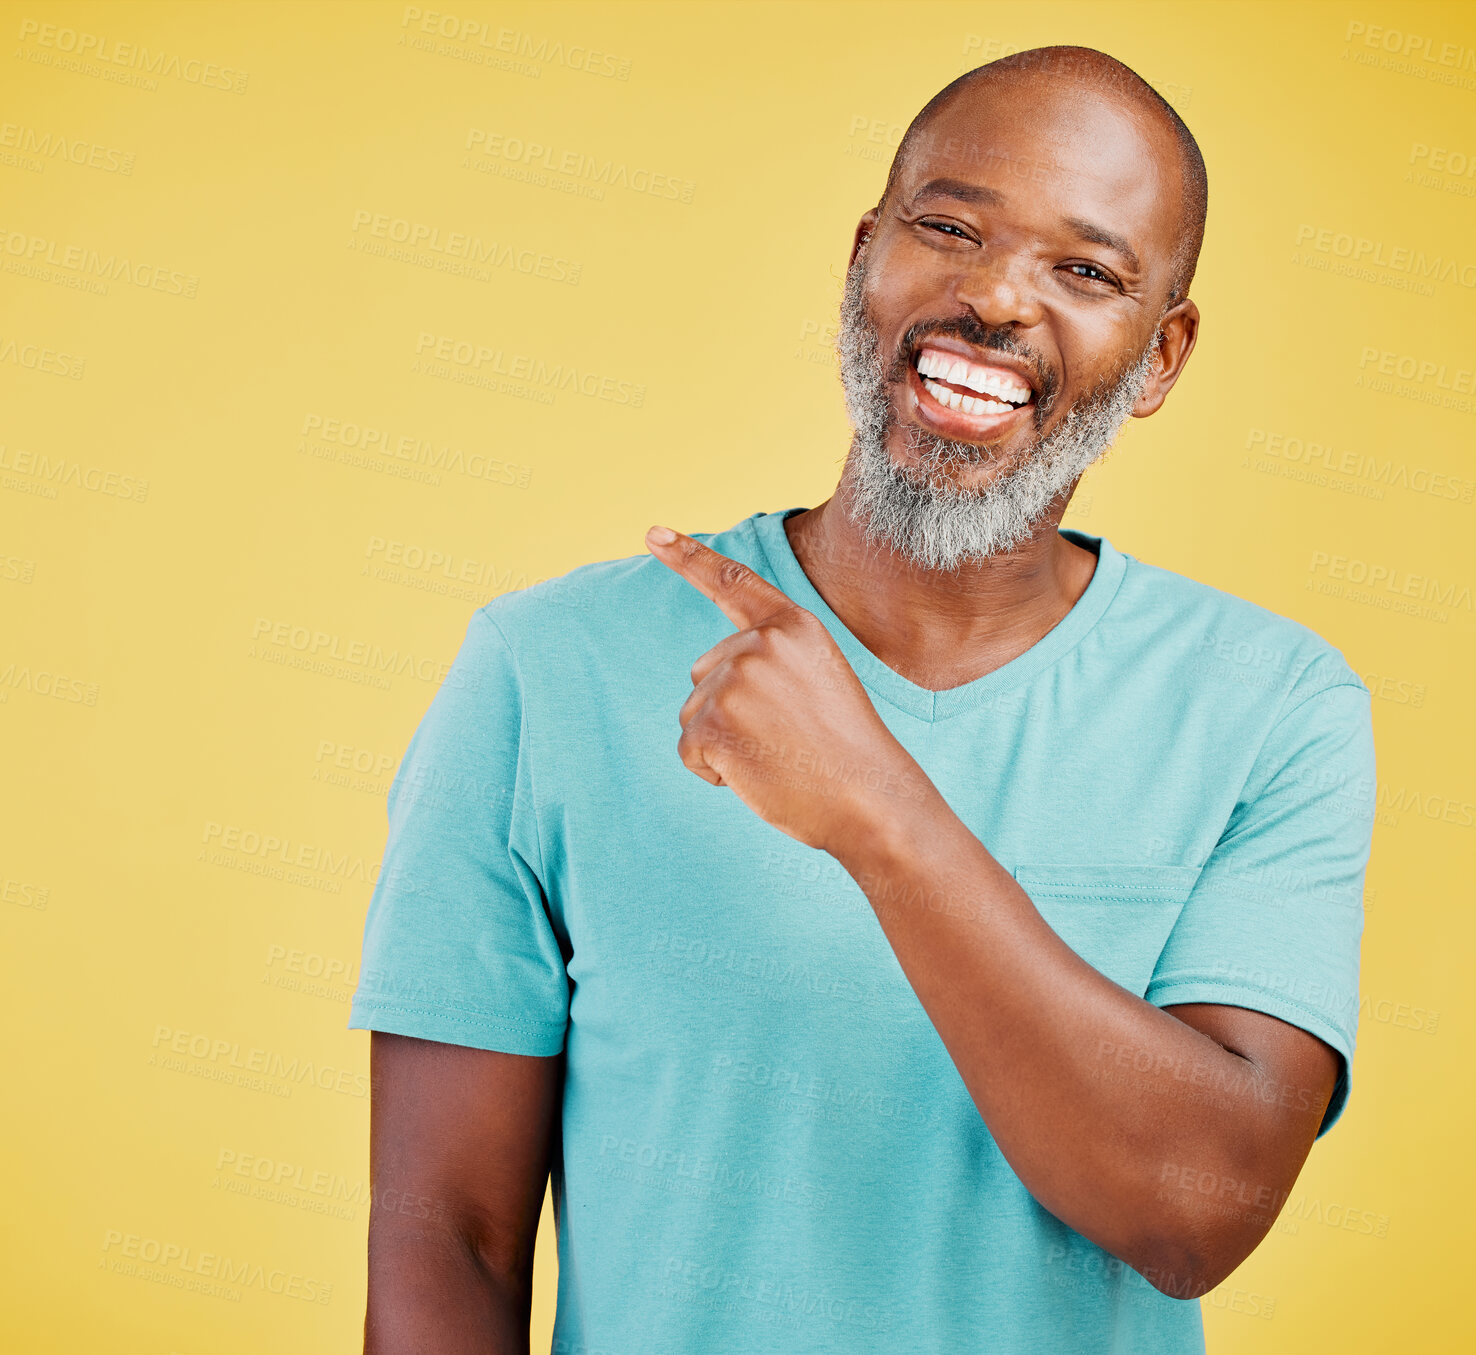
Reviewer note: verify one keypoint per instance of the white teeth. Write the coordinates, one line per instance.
(954, 400)
(942, 367)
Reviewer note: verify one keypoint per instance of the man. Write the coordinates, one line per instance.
(901, 925)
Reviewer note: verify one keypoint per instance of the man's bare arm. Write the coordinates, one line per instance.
(1093, 1094)
(460, 1145)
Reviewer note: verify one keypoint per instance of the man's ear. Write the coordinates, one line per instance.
(1180, 328)
(864, 228)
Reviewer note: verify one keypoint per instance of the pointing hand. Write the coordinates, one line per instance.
(778, 715)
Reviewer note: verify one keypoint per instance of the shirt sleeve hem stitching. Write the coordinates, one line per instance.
(1159, 987)
(473, 1017)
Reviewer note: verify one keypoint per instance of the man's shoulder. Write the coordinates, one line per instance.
(617, 597)
(1242, 641)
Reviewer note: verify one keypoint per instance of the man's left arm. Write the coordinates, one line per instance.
(1110, 1144)
(1039, 1038)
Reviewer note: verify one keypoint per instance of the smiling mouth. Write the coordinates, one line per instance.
(969, 388)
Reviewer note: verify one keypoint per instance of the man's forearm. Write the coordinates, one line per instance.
(1040, 1037)
(431, 1294)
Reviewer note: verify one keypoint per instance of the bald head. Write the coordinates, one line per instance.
(1089, 74)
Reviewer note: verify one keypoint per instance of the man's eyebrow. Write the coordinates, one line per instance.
(961, 190)
(1100, 235)
(977, 195)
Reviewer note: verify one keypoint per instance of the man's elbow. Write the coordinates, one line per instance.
(1191, 1263)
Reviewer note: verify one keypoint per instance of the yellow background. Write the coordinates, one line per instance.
(155, 734)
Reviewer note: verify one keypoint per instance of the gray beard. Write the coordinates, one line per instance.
(918, 510)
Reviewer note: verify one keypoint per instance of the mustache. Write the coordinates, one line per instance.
(974, 332)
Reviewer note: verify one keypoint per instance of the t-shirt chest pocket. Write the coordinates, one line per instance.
(1116, 917)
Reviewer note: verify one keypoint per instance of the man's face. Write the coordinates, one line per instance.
(1000, 322)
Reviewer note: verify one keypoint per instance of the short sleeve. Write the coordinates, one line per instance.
(459, 945)
(1275, 920)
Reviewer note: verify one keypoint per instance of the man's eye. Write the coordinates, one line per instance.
(945, 226)
(1092, 273)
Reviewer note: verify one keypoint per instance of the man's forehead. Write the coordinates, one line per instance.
(1086, 142)
(981, 156)
(1085, 156)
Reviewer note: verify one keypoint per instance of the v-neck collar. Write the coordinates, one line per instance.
(918, 701)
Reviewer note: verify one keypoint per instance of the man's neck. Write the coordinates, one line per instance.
(940, 628)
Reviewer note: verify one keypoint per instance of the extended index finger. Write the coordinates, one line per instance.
(744, 597)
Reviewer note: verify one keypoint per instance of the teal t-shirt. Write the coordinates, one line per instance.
(766, 1147)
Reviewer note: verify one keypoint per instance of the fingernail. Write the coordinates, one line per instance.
(661, 536)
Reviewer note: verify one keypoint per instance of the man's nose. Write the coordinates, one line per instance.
(999, 290)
